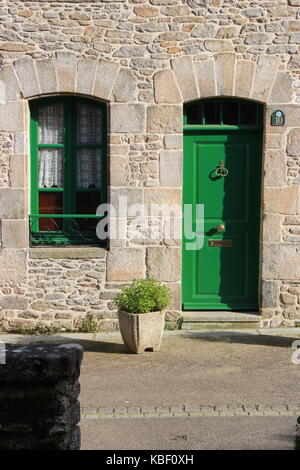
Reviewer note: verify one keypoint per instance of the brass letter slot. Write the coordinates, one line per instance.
(224, 243)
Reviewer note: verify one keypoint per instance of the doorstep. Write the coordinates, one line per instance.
(219, 320)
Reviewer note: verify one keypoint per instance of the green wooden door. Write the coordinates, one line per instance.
(223, 277)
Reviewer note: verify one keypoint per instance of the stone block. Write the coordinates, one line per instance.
(275, 168)
(12, 203)
(12, 117)
(164, 119)
(185, 77)
(146, 11)
(205, 74)
(66, 69)
(170, 197)
(273, 141)
(282, 91)
(218, 45)
(13, 266)
(269, 294)
(9, 79)
(228, 32)
(243, 78)
(205, 30)
(27, 75)
(293, 143)
(175, 301)
(224, 67)
(173, 141)
(165, 88)
(82, 252)
(164, 263)
(272, 227)
(21, 144)
(129, 51)
(292, 313)
(282, 200)
(105, 78)
(170, 166)
(288, 299)
(295, 38)
(14, 302)
(15, 47)
(294, 62)
(86, 71)
(118, 171)
(17, 174)
(125, 264)
(47, 75)
(258, 38)
(127, 118)
(279, 261)
(14, 233)
(266, 69)
(125, 87)
(133, 195)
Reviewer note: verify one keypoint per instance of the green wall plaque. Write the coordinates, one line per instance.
(278, 118)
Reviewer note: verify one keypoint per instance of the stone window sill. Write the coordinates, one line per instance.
(79, 252)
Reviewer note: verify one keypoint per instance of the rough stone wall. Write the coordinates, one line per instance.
(145, 59)
(39, 407)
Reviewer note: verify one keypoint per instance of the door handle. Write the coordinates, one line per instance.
(220, 227)
(221, 170)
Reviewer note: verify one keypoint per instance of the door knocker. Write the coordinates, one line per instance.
(221, 171)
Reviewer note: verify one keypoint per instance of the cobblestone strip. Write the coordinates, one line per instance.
(185, 411)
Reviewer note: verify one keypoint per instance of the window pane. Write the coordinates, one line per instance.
(230, 113)
(193, 114)
(50, 203)
(88, 168)
(248, 113)
(87, 202)
(89, 124)
(212, 113)
(51, 124)
(51, 168)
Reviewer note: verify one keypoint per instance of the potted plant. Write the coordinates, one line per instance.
(141, 314)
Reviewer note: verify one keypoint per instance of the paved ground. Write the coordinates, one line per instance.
(210, 390)
(234, 433)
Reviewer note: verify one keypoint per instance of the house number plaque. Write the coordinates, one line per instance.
(220, 243)
(278, 118)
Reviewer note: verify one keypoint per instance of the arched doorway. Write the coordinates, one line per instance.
(222, 171)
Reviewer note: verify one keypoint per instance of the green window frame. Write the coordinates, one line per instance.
(71, 225)
(225, 113)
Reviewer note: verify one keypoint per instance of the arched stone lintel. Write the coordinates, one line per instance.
(223, 75)
(28, 78)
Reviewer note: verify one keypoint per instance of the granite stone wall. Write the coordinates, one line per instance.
(145, 60)
(39, 407)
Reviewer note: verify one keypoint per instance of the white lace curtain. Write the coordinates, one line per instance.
(51, 131)
(88, 161)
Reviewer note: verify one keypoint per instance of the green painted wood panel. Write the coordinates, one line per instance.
(223, 278)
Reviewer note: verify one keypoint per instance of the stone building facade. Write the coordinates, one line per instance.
(145, 60)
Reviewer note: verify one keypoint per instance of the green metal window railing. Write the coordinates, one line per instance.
(64, 229)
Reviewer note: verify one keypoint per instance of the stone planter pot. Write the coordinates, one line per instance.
(142, 331)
